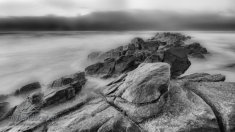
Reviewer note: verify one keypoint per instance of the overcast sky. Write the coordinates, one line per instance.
(83, 7)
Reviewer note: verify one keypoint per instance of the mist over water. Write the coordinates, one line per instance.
(46, 56)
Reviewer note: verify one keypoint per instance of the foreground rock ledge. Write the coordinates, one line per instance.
(143, 100)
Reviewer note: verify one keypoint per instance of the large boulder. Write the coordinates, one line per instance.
(178, 59)
(28, 88)
(146, 83)
(184, 111)
(220, 97)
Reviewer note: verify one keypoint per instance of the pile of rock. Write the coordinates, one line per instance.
(164, 47)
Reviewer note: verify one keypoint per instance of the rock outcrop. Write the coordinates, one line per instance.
(163, 47)
(144, 99)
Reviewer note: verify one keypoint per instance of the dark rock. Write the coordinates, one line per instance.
(3, 108)
(125, 64)
(76, 80)
(177, 58)
(138, 42)
(28, 88)
(105, 68)
(63, 89)
(59, 95)
(94, 69)
(204, 77)
(94, 55)
(196, 50)
(153, 58)
(173, 39)
(111, 67)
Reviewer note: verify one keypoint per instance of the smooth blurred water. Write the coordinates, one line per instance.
(45, 56)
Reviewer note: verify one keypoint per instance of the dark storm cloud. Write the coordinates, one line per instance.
(128, 20)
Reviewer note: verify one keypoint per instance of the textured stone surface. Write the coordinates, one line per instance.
(220, 97)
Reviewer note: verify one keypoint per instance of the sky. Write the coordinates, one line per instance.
(83, 7)
(117, 14)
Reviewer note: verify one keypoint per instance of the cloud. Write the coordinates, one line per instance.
(124, 20)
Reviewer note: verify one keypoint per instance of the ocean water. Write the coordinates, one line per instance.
(44, 56)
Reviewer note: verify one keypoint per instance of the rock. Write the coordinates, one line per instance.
(3, 108)
(25, 110)
(220, 97)
(64, 89)
(76, 80)
(183, 111)
(177, 58)
(125, 64)
(172, 39)
(94, 55)
(138, 42)
(203, 77)
(28, 88)
(103, 69)
(59, 95)
(153, 58)
(111, 67)
(140, 93)
(146, 83)
(196, 50)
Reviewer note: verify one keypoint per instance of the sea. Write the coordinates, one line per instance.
(28, 56)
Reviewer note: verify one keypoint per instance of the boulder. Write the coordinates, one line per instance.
(138, 43)
(203, 77)
(220, 97)
(146, 83)
(28, 88)
(178, 59)
(184, 111)
(76, 81)
(196, 50)
(59, 95)
(64, 89)
(94, 55)
(103, 69)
